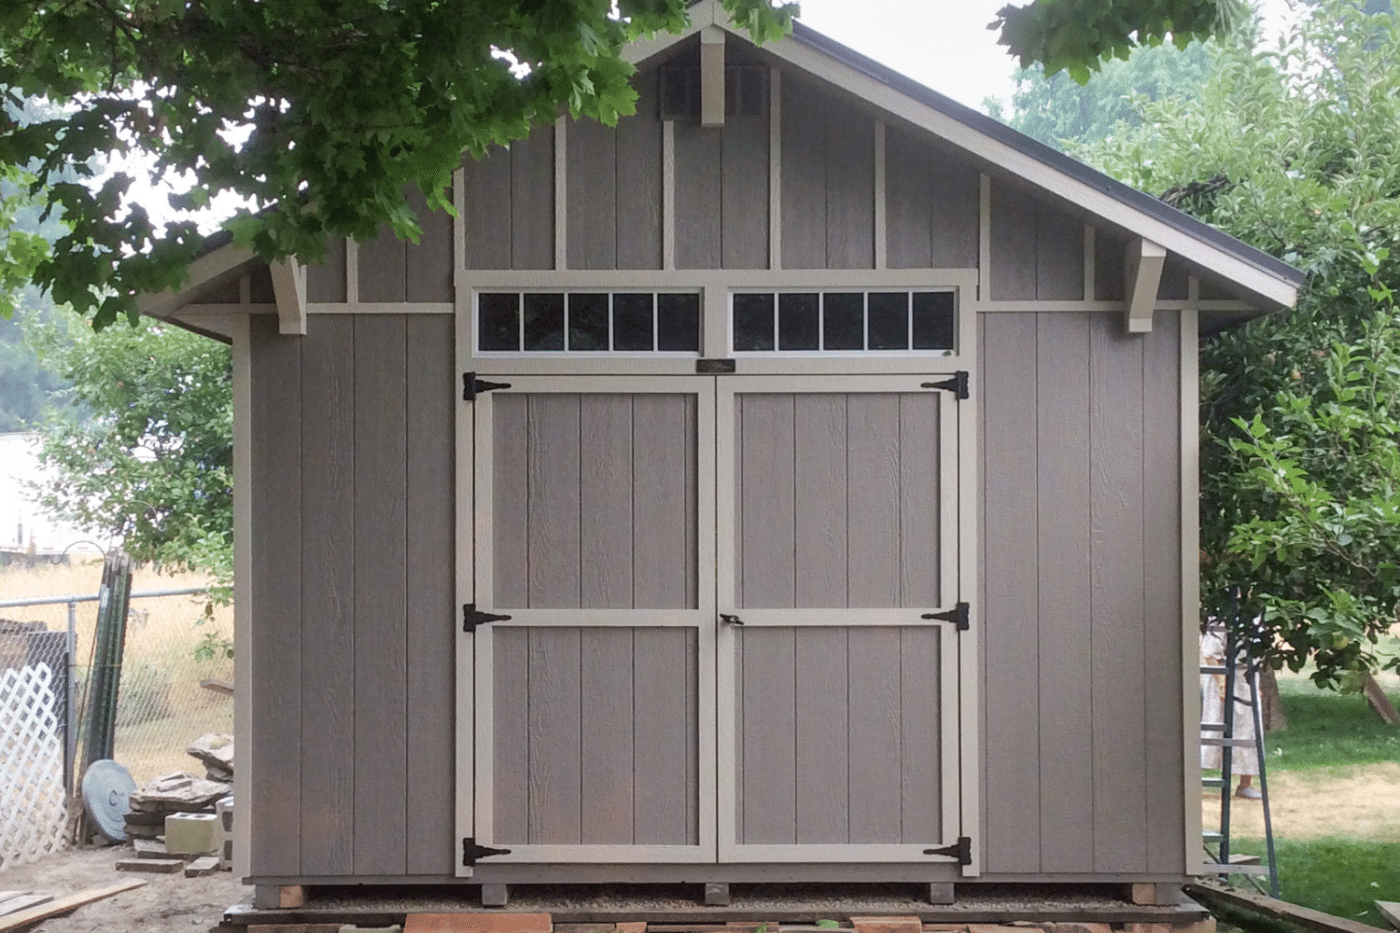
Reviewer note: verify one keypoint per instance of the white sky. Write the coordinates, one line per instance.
(944, 44)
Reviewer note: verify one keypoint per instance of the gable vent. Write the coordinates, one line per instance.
(745, 91)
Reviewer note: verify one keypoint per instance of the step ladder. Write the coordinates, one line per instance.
(1219, 859)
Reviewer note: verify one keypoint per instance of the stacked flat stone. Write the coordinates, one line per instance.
(214, 750)
(170, 793)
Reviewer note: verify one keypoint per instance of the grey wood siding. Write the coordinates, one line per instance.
(595, 736)
(932, 206)
(1037, 250)
(395, 270)
(1082, 615)
(353, 615)
(509, 205)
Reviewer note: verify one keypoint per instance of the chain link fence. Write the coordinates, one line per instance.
(176, 678)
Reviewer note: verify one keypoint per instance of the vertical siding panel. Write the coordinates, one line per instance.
(873, 692)
(1174, 284)
(1162, 592)
(532, 200)
(605, 501)
(381, 631)
(820, 500)
(383, 267)
(767, 575)
(803, 176)
(850, 187)
(823, 757)
(920, 501)
(908, 202)
(1013, 244)
(1116, 598)
(429, 261)
(555, 723)
(607, 664)
(553, 508)
(957, 213)
(699, 194)
(1108, 265)
(1066, 738)
(663, 744)
(275, 756)
(1059, 257)
(920, 738)
(639, 181)
(325, 280)
(873, 464)
(744, 202)
(769, 736)
(663, 503)
(431, 596)
(592, 195)
(486, 215)
(510, 491)
(327, 597)
(510, 738)
(1011, 741)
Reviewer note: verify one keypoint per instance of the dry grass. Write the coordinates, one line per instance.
(162, 707)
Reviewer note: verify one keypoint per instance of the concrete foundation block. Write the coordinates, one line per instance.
(192, 833)
(716, 894)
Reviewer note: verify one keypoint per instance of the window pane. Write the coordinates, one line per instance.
(797, 322)
(889, 320)
(498, 321)
(632, 321)
(588, 321)
(753, 322)
(843, 321)
(933, 321)
(544, 322)
(678, 322)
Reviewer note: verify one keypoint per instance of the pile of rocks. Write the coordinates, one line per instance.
(202, 809)
(170, 793)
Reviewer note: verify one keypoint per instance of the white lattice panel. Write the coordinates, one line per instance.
(33, 809)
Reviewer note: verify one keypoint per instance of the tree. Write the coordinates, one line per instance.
(151, 461)
(315, 114)
(1294, 150)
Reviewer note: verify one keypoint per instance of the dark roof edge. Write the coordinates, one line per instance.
(1042, 153)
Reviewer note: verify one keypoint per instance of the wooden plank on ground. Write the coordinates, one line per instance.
(1279, 910)
(1380, 704)
(11, 901)
(1390, 910)
(62, 905)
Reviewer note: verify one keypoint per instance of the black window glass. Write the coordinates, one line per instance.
(843, 321)
(753, 322)
(889, 321)
(933, 320)
(588, 321)
(678, 322)
(498, 321)
(632, 321)
(544, 322)
(797, 321)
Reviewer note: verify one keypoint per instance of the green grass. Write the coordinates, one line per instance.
(1342, 877)
(1329, 730)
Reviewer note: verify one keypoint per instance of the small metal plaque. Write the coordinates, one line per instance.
(714, 367)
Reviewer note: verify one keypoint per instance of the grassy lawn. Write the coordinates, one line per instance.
(1331, 739)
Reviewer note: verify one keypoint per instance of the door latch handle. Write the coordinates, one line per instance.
(731, 619)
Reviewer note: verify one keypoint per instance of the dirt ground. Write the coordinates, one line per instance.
(1359, 801)
(167, 903)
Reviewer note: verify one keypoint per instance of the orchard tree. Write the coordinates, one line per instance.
(1294, 150)
(316, 114)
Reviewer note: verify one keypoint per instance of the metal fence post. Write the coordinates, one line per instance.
(70, 715)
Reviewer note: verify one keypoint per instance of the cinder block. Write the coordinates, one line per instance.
(192, 833)
(478, 923)
(887, 924)
(159, 866)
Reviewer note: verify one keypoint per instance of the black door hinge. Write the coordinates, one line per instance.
(960, 850)
(471, 618)
(961, 614)
(958, 384)
(472, 386)
(471, 851)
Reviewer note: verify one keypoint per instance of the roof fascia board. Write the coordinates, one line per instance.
(210, 266)
(1097, 202)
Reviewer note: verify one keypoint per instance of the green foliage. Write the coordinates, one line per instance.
(1055, 109)
(1078, 35)
(154, 461)
(1294, 150)
(25, 386)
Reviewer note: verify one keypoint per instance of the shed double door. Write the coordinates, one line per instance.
(718, 645)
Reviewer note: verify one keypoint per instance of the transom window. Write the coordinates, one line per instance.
(584, 322)
(843, 321)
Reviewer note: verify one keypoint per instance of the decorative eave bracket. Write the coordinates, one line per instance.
(1142, 274)
(289, 285)
(712, 76)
